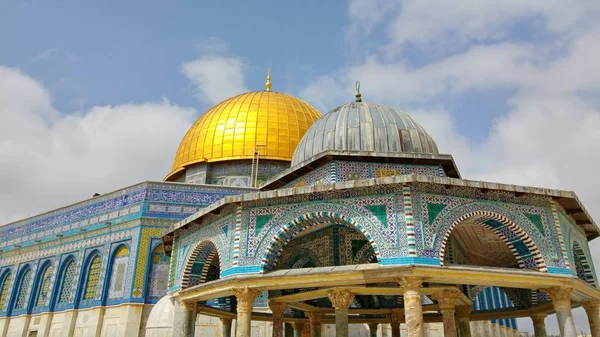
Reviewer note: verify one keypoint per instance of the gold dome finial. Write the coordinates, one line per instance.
(358, 95)
(268, 84)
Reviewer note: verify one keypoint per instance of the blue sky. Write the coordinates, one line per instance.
(119, 52)
(97, 96)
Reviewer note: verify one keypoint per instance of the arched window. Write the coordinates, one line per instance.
(23, 290)
(4, 290)
(93, 276)
(44, 287)
(118, 273)
(159, 273)
(68, 280)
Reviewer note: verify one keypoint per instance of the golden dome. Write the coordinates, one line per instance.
(271, 122)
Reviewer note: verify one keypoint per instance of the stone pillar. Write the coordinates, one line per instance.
(561, 300)
(341, 300)
(315, 323)
(245, 302)
(278, 309)
(395, 319)
(373, 329)
(298, 326)
(488, 329)
(464, 320)
(446, 300)
(539, 325)
(592, 309)
(413, 311)
(226, 322)
(184, 322)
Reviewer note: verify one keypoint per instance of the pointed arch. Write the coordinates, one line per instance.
(288, 231)
(114, 290)
(89, 278)
(523, 248)
(65, 281)
(42, 284)
(582, 265)
(5, 283)
(198, 263)
(22, 287)
(158, 274)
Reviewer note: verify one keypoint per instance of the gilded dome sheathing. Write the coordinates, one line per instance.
(271, 122)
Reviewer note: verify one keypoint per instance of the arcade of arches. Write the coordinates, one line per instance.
(330, 267)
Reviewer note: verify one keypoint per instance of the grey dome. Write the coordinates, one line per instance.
(363, 126)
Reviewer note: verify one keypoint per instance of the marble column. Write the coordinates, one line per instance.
(446, 300)
(184, 322)
(395, 320)
(489, 329)
(463, 313)
(561, 301)
(226, 323)
(245, 302)
(373, 329)
(341, 300)
(592, 309)
(298, 326)
(278, 309)
(413, 310)
(539, 325)
(315, 323)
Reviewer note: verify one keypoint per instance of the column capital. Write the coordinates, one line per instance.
(411, 282)
(464, 311)
(446, 299)
(315, 316)
(277, 308)
(561, 296)
(538, 318)
(373, 326)
(245, 298)
(558, 293)
(188, 306)
(341, 299)
(226, 320)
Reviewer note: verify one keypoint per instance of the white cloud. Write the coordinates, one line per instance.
(548, 135)
(50, 159)
(215, 77)
(50, 53)
(447, 24)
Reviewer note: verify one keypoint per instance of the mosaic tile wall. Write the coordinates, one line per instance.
(339, 171)
(159, 273)
(439, 209)
(576, 245)
(405, 225)
(117, 279)
(162, 200)
(137, 215)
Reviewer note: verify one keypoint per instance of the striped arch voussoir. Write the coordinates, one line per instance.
(187, 269)
(289, 231)
(587, 270)
(486, 215)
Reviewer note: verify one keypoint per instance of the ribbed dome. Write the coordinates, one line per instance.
(271, 122)
(362, 126)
